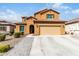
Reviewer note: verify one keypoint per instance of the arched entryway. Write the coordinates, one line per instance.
(31, 29)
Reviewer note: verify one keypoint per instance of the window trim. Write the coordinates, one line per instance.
(21, 28)
(3, 28)
(50, 18)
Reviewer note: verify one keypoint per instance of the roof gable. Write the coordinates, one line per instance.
(31, 17)
(40, 11)
(27, 18)
(46, 10)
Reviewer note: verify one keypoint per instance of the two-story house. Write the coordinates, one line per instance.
(44, 22)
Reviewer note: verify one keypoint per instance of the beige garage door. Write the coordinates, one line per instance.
(52, 30)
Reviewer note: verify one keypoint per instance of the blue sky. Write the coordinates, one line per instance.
(13, 12)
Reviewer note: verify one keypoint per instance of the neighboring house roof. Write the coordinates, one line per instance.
(20, 23)
(76, 20)
(49, 22)
(6, 23)
(45, 10)
(3, 20)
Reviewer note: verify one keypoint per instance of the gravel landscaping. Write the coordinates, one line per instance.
(11, 41)
(22, 48)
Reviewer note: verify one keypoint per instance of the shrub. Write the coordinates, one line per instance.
(17, 34)
(4, 48)
(11, 32)
(2, 37)
(21, 33)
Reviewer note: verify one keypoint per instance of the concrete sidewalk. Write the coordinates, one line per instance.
(36, 48)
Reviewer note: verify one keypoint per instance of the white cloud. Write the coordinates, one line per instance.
(10, 11)
(60, 6)
(10, 15)
(76, 11)
(67, 12)
(73, 12)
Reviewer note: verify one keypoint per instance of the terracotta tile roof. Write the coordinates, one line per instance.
(20, 23)
(76, 20)
(45, 10)
(31, 17)
(49, 21)
(41, 11)
(26, 18)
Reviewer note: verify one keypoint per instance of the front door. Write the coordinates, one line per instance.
(31, 29)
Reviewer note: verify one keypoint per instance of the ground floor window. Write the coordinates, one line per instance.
(2, 28)
(22, 28)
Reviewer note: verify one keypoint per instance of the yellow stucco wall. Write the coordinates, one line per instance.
(63, 29)
(43, 16)
(27, 27)
(17, 28)
(37, 28)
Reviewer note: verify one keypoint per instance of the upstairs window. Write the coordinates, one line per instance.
(50, 16)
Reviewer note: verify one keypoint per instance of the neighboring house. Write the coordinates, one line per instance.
(44, 22)
(6, 27)
(72, 26)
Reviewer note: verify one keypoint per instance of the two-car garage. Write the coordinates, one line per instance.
(50, 30)
(50, 27)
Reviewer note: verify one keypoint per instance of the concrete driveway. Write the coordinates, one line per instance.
(63, 45)
(30, 45)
